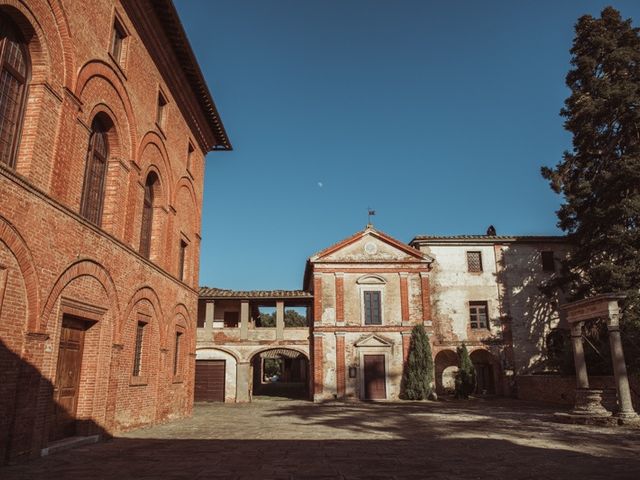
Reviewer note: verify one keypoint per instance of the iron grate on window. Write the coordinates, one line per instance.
(474, 261)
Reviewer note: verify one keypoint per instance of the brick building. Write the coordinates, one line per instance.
(105, 120)
(369, 290)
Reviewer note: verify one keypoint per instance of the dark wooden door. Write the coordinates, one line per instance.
(210, 379)
(484, 378)
(67, 383)
(374, 378)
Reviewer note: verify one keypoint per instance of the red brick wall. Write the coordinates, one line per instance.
(340, 366)
(52, 261)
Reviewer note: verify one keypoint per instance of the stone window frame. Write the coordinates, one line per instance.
(479, 327)
(370, 283)
(470, 261)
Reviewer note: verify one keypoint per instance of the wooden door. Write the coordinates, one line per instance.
(484, 378)
(67, 383)
(210, 379)
(375, 384)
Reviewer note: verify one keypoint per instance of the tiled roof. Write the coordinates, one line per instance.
(491, 238)
(207, 292)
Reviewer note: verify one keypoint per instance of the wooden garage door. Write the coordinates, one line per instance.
(210, 381)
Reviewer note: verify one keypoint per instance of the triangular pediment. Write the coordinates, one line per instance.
(373, 340)
(371, 246)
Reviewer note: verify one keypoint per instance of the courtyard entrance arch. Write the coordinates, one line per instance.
(280, 372)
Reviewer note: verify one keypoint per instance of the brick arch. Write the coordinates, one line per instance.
(180, 310)
(143, 293)
(98, 68)
(114, 135)
(18, 247)
(65, 39)
(78, 269)
(37, 37)
(223, 349)
(164, 169)
(253, 354)
(187, 183)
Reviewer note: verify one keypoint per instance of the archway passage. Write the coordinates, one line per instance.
(280, 372)
(446, 367)
(486, 369)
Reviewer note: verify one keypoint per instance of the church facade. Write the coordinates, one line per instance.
(367, 292)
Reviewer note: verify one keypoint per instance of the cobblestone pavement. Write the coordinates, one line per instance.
(272, 439)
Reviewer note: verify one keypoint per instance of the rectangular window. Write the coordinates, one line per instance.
(548, 262)
(372, 308)
(176, 354)
(181, 259)
(162, 103)
(478, 315)
(474, 261)
(231, 319)
(137, 353)
(117, 44)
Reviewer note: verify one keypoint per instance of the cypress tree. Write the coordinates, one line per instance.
(466, 374)
(599, 178)
(418, 374)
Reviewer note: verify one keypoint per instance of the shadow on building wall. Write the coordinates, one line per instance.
(23, 433)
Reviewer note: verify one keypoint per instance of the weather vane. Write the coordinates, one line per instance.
(371, 213)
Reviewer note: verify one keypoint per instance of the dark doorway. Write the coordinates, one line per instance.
(280, 373)
(374, 378)
(210, 380)
(484, 379)
(66, 389)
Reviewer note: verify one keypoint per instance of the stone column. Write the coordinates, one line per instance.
(625, 407)
(582, 377)
(209, 311)
(243, 377)
(244, 320)
(280, 320)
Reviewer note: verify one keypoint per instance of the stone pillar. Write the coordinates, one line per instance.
(209, 311)
(243, 382)
(244, 319)
(341, 374)
(582, 377)
(625, 407)
(280, 320)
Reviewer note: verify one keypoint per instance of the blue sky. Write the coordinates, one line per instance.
(436, 114)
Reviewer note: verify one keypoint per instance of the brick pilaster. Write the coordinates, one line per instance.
(406, 342)
(340, 365)
(317, 297)
(404, 296)
(339, 297)
(426, 296)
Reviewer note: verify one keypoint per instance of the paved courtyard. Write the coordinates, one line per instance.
(271, 439)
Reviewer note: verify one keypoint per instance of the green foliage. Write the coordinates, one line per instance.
(418, 373)
(272, 366)
(466, 374)
(294, 319)
(291, 319)
(600, 177)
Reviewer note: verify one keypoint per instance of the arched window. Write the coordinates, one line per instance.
(147, 215)
(14, 75)
(95, 172)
